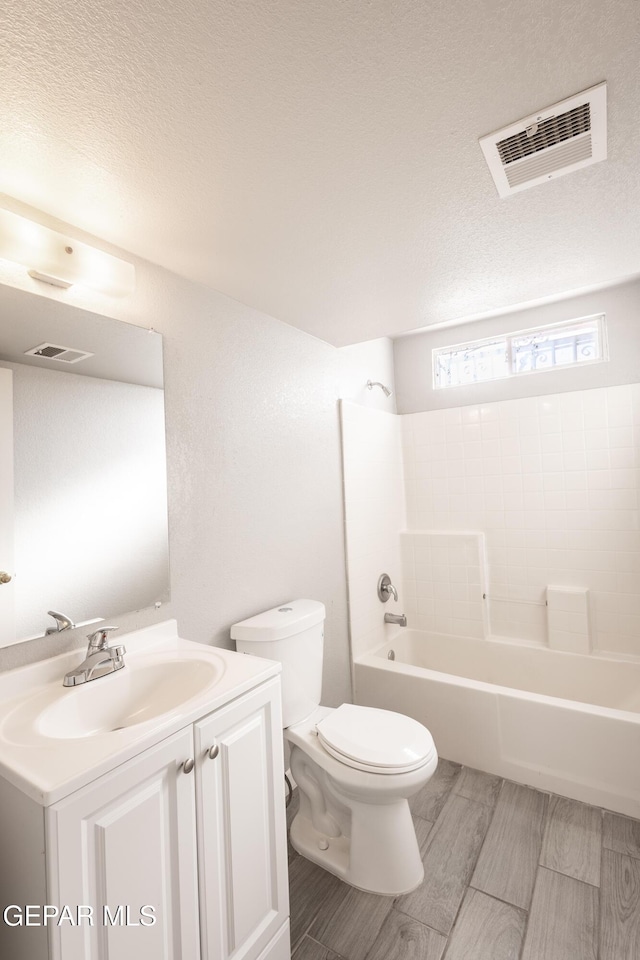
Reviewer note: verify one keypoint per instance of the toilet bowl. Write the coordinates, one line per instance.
(356, 767)
(354, 818)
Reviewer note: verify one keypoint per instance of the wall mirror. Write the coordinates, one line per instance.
(83, 504)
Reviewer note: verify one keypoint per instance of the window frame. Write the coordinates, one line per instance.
(508, 338)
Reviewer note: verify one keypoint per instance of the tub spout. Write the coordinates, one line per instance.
(398, 618)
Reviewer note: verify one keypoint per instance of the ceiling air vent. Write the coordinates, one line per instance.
(558, 140)
(53, 351)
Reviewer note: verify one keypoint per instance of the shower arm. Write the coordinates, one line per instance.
(376, 383)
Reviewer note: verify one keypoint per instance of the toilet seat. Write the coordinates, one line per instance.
(374, 740)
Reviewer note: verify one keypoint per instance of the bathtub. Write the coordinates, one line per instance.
(557, 721)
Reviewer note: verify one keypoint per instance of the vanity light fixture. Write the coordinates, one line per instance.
(54, 258)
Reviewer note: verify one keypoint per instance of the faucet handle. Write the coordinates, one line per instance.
(62, 623)
(98, 639)
(386, 589)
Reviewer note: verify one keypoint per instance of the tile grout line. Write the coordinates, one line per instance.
(324, 947)
(468, 886)
(543, 866)
(421, 922)
(525, 932)
(602, 849)
(493, 896)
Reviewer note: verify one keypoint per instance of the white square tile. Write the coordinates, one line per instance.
(574, 460)
(594, 408)
(471, 432)
(598, 459)
(512, 465)
(452, 416)
(621, 437)
(489, 412)
(551, 442)
(552, 462)
(623, 479)
(470, 414)
(597, 438)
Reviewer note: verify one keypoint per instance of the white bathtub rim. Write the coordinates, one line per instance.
(595, 654)
(374, 659)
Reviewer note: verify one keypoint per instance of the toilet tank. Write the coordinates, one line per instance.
(293, 634)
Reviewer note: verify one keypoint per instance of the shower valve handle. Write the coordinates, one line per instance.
(386, 589)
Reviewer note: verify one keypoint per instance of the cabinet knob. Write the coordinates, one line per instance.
(5, 577)
(213, 751)
(188, 765)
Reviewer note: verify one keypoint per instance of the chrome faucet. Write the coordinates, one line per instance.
(386, 589)
(62, 623)
(101, 659)
(398, 618)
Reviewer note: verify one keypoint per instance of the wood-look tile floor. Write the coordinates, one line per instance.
(511, 873)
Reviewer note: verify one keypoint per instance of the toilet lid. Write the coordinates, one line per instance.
(380, 740)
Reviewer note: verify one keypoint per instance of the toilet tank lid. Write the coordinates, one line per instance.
(280, 622)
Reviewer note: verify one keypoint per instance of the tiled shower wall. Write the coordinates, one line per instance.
(443, 582)
(553, 484)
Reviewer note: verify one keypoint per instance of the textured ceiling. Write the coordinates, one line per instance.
(318, 159)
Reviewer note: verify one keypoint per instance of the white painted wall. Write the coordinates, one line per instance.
(372, 360)
(90, 497)
(620, 304)
(254, 460)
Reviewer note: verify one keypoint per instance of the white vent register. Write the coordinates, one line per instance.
(550, 143)
(53, 351)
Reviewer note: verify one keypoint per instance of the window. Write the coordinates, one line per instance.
(514, 354)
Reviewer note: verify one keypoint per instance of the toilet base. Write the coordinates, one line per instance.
(361, 861)
(354, 823)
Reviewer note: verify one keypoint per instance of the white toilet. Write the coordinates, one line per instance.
(355, 766)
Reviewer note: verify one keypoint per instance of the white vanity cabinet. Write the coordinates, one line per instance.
(194, 827)
(241, 827)
(128, 839)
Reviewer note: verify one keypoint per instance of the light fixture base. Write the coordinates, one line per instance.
(46, 278)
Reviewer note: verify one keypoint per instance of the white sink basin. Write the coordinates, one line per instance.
(56, 739)
(130, 696)
(146, 689)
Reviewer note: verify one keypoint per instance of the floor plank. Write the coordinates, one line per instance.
(619, 907)
(428, 803)
(573, 839)
(309, 949)
(621, 834)
(352, 926)
(563, 922)
(509, 859)
(449, 861)
(310, 888)
(423, 831)
(402, 938)
(476, 785)
(487, 928)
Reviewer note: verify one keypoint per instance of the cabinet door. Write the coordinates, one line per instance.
(128, 840)
(241, 825)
